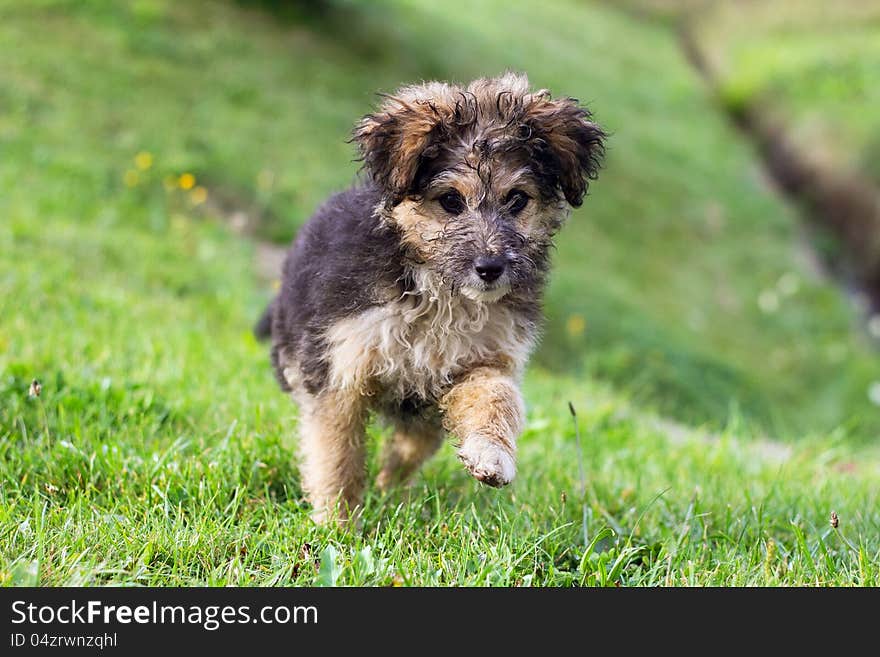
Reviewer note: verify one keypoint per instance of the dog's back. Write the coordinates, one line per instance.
(338, 260)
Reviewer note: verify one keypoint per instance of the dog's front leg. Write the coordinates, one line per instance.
(333, 454)
(485, 411)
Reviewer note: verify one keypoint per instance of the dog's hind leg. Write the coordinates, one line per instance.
(333, 453)
(414, 441)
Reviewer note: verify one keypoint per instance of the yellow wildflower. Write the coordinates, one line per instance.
(575, 325)
(198, 195)
(143, 160)
(186, 181)
(265, 180)
(131, 178)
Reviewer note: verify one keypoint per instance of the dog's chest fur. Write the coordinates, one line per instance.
(416, 345)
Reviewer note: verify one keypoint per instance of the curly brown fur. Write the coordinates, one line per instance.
(417, 295)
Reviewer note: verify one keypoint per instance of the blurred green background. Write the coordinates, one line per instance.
(685, 279)
(152, 152)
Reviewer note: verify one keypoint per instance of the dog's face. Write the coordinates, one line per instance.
(477, 180)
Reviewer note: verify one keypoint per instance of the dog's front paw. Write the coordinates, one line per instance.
(488, 460)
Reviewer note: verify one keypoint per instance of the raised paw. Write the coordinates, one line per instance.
(488, 460)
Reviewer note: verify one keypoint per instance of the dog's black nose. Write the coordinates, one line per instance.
(489, 268)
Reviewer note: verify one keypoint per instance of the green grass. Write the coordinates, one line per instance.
(160, 451)
(147, 497)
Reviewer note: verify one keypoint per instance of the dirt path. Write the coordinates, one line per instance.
(268, 258)
(844, 205)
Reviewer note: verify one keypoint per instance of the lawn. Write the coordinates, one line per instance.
(723, 386)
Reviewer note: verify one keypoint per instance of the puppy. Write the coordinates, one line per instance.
(417, 294)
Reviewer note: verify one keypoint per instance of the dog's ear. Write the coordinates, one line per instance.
(394, 140)
(565, 143)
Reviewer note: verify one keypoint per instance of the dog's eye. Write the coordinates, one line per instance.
(516, 201)
(452, 202)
